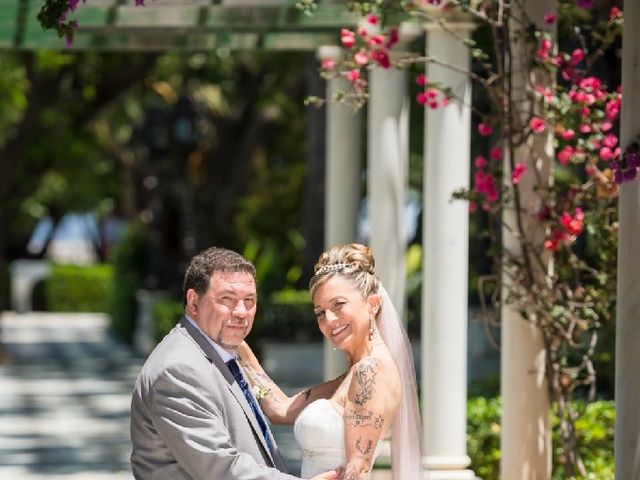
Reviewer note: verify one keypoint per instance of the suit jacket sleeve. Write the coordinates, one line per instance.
(188, 418)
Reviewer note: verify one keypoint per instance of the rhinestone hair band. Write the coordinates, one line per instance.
(333, 267)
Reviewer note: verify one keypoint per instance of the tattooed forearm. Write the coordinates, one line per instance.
(364, 449)
(351, 473)
(360, 417)
(365, 375)
(307, 393)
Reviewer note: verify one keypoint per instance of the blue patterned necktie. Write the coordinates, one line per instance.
(242, 383)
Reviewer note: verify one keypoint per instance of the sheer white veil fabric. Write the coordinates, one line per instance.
(406, 431)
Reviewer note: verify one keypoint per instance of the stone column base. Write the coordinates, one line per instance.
(450, 475)
(448, 468)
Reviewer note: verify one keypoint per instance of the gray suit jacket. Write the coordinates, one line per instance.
(190, 420)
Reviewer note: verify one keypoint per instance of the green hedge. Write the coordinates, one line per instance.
(287, 315)
(130, 262)
(595, 427)
(166, 314)
(74, 288)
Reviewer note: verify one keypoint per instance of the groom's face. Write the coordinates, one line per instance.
(227, 309)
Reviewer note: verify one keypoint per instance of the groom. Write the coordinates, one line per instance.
(192, 415)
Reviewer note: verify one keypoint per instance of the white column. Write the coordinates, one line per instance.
(445, 263)
(525, 439)
(627, 449)
(387, 167)
(342, 183)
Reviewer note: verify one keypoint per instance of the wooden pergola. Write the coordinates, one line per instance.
(187, 25)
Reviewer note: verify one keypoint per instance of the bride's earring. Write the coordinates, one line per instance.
(372, 332)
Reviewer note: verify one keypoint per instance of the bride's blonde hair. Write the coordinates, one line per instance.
(352, 261)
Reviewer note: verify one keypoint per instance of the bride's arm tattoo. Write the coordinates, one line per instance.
(365, 375)
(361, 417)
(364, 450)
(351, 473)
(307, 393)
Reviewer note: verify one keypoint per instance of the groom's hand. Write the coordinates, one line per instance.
(331, 475)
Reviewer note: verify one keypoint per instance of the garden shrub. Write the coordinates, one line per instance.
(130, 261)
(287, 316)
(75, 288)
(594, 428)
(166, 313)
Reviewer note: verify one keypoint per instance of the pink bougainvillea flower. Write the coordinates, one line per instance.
(432, 93)
(586, 4)
(612, 109)
(361, 57)
(610, 140)
(421, 98)
(495, 153)
(73, 4)
(589, 169)
(537, 125)
(353, 75)
(347, 37)
(480, 161)
(372, 19)
(573, 224)
(552, 245)
(585, 128)
(433, 104)
(445, 101)
(576, 57)
(615, 13)
(393, 38)
(606, 126)
(485, 129)
(327, 64)
(544, 92)
(376, 40)
(565, 155)
(543, 50)
(606, 154)
(568, 134)
(549, 18)
(381, 57)
(421, 80)
(363, 32)
(567, 73)
(473, 207)
(518, 171)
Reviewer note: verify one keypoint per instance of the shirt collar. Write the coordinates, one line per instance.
(226, 355)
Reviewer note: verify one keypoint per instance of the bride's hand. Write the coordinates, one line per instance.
(331, 475)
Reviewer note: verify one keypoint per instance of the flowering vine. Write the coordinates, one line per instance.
(571, 204)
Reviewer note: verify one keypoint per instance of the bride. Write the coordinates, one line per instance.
(340, 423)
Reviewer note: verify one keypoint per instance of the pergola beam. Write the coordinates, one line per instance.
(176, 25)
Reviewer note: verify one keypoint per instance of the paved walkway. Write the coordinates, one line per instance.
(64, 400)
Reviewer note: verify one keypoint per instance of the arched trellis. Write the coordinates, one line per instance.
(115, 25)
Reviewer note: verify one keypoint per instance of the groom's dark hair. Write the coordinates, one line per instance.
(205, 263)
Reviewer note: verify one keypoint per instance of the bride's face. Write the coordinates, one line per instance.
(342, 313)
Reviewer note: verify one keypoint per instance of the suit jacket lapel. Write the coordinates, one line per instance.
(214, 359)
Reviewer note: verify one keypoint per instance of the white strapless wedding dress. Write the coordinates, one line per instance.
(319, 430)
